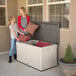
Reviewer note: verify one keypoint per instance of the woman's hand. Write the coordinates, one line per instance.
(24, 30)
(22, 33)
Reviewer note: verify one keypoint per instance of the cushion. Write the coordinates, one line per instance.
(23, 38)
(31, 28)
(42, 44)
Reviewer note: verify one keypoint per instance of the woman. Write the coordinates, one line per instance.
(23, 20)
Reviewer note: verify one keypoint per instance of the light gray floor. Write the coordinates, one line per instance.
(18, 69)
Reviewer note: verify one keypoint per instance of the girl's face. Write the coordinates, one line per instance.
(21, 12)
(13, 20)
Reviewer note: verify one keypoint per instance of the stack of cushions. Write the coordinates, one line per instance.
(23, 38)
(31, 28)
(42, 44)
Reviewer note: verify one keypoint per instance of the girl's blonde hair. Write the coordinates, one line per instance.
(10, 20)
(24, 10)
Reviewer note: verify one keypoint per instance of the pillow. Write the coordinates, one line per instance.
(31, 28)
(23, 38)
(42, 44)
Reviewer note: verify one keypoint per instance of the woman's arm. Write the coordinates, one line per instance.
(20, 32)
(19, 23)
(12, 30)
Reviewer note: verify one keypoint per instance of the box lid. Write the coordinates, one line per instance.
(48, 32)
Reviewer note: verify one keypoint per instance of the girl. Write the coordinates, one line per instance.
(23, 20)
(13, 31)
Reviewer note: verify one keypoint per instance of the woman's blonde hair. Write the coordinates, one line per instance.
(24, 10)
(10, 20)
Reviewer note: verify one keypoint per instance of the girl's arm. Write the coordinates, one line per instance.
(12, 30)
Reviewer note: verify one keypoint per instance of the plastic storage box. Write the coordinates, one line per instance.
(40, 58)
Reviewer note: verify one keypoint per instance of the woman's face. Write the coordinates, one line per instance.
(21, 12)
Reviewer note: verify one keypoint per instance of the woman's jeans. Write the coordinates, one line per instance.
(13, 47)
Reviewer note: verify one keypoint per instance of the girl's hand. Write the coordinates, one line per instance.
(17, 39)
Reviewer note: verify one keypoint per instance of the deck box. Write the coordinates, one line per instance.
(41, 58)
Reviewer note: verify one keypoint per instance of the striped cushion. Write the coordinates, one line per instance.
(23, 38)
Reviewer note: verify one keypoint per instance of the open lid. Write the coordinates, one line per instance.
(48, 32)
